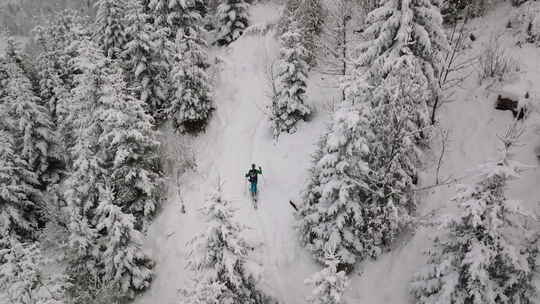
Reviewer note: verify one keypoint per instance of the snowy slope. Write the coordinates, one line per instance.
(239, 135)
(474, 125)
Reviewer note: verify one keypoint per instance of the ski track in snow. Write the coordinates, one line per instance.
(239, 134)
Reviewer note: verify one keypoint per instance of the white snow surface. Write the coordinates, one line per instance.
(239, 134)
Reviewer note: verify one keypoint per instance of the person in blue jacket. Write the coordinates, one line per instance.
(252, 178)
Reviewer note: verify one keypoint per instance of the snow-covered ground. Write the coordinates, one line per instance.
(239, 135)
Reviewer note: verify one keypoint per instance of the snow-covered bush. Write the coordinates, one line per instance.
(233, 19)
(484, 254)
(146, 60)
(525, 23)
(110, 32)
(329, 284)
(192, 102)
(495, 62)
(219, 257)
(288, 107)
(22, 279)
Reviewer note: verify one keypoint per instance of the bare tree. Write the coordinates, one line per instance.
(336, 39)
(178, 159)
(454, 67)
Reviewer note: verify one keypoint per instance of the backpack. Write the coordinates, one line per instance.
(252, 176)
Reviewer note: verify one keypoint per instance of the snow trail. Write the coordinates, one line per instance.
(238, 135)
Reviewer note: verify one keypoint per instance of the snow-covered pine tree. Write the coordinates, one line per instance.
(84, 190)
(20, 198)
(233, 19)
(22, 279)
(15, 55)
(219, 257)
(173, 15)
(331, 215)
(113, 146)
(359, 195)
(329, 284)
(403, 27)
(126, 268)
(485, 254)
(55, 70)
(146, 62)
(397, 120)
(192, 103)
(311, 17)
(128, 148)
(109, 29)
(28, 121)
(289, 106)
(3, 77)
(84, 187)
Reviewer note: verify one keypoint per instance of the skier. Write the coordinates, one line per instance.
(252, 178)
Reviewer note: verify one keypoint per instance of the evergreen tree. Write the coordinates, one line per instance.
(329, 284)
(20, 199)
(22, 280)
(146, 61)
(311, 18)
(114, 151)
(192, 102)
(359, 197)
(56, 41)
(110, 32)
(398, 120)
(126, 267)
(395, 153)
(173, 15)
(233, 19)
(332, 214)
(29, 122)
(288, 107)
(128, 148)
(3, 77)
(15, 55)
(84, 187)
(402, 27)
(219, 257)
(485, 255)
